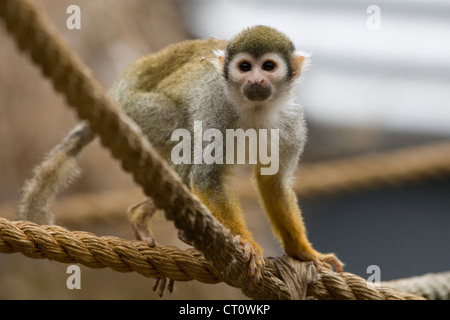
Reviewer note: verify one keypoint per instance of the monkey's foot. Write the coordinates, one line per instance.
(160, 286)
(253, 255)
(140, 215)
(324, 260)
(320, 260)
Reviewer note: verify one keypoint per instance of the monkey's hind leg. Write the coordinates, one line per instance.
(140, 215)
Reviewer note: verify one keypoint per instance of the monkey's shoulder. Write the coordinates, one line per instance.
(191, 56)
(187, 51)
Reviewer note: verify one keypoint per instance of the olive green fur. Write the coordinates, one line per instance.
(166, 70)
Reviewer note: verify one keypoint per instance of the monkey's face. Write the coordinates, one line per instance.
(258, 79)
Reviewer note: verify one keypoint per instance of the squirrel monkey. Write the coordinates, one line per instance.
(244, 83)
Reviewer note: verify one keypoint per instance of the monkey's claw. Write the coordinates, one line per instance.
(160, 286)
(321, 260)
(253, 255)
(324, 260)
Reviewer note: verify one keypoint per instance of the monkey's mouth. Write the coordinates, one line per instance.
(257, 92)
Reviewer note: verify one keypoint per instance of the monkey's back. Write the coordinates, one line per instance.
(174, 70)
(161, 91)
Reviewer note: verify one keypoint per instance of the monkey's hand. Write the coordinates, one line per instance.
(253, 255)
(320, 260)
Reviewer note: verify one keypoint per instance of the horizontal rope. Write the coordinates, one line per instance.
(58, 244)
(433, 286)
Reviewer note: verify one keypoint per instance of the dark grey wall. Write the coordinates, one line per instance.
(404, 230)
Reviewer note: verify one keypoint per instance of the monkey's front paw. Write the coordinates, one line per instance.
(160, 286)
(327, 259)
(321, 260)
(253, 255)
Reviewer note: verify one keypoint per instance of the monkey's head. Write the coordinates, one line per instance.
(260, 65)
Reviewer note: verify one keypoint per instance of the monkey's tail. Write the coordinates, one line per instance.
(56, 172)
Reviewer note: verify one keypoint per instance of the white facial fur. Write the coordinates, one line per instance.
(266, 113)
(258, 113)
(237, 75)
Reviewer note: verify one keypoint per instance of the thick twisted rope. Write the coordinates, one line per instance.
(59, 244)
(433, 286)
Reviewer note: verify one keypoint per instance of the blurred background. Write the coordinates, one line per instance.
(379, 81)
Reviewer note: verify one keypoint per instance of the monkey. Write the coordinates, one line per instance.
(248, 83)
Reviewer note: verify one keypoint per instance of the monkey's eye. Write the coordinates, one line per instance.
(245, 66)
(268, 66)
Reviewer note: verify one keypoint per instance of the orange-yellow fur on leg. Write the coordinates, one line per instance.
(280, 203)
(225, 207)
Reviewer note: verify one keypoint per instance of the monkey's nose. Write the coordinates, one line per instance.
(257, 91)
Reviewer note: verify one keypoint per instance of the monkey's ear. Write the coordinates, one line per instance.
(301, 62)
(220, 63)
